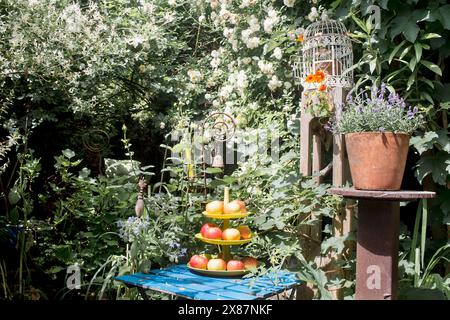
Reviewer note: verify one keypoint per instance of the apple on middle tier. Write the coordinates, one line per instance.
(212, 231)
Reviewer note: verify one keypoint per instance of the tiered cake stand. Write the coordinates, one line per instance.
(224, 244)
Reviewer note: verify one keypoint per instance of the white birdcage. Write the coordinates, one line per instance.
(328, 48)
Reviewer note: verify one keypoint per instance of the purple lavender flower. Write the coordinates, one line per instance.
(174, 245)
(381, 129)
(349, 98)
(382, 91)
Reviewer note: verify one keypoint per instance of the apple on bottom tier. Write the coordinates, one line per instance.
(218, 264)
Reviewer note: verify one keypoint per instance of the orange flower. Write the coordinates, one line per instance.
(319, 76)
(310, 78)
(322, 87)
(299, 39)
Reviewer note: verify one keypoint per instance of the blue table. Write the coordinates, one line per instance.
(179, 281)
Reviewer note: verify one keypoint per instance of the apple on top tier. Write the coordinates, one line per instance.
(233, 207)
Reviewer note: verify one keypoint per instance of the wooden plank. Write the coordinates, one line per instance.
(381, 195)
(184, 287)
(217, 283)
(180, 281)
(135, 281)
(316, 157)
(285, 279)
(305, 143)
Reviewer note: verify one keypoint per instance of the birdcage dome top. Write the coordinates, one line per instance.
(325, 27)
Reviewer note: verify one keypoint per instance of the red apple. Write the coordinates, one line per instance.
(250, 263)
(232, 208)
(198, 262)
(242, 205)
(231, 234)
(217, 264)
(205, 227)
(245, 231)
(213, 233)
(235, 265)
(214, 207)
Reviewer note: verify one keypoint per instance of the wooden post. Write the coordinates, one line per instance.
(378, 231)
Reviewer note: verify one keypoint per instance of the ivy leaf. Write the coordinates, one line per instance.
(425, 142)
(437, 165)
(443, 15)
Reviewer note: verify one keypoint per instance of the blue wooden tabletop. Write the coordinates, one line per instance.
(180, 281)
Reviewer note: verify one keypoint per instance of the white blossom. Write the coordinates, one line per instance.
(265, 67)
(245, 34)
(225, 92)
(195, 76)
(169, 17)
(214, 4)
(271, 20)
(247, 3)
(162, 125)
(201, 18)
(228, 32)
(253, 23)
(274, 83)
(287, 85)
(246, 60)
(252, 42)
(277, 53)
(313, 15)
(136, 40)
(289, 3)
(215, 62)
(172, 2)
(215, 54)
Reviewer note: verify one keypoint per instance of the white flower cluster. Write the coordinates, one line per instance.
(265, 67)
(271, 20)
(247, 3)
(195, 76)
(240, 80)
(274, 83)
(215, 62)
(289, 3)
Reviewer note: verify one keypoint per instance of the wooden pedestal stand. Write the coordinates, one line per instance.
(378, 237)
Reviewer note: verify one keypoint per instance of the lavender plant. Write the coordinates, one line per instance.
(381, 112)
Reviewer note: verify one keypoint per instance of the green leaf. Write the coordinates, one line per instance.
(412, 63)
(418, 49)
(436, 166)
(404, 52)
(411, 31)
(213, 170)
(425, 142)
(372, 65)
(411, 80)
(394, 52)
(433, 67)
(360, 23)
(444, 16)
(427, 36)
(13, 196)
(68, 153)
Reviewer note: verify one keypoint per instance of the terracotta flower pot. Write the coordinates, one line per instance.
(377, 159)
